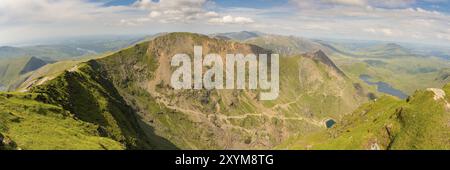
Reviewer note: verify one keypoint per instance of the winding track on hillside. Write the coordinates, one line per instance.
(198, 115)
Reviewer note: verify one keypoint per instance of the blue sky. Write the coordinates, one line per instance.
(424, 21)
(443, 6)
(117, 2)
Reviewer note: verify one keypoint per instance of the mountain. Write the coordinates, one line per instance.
(71, 48)
(389, 50)
(7, 51)
(125, 98)
(42, 51)
(11, 70)
(285, 45)
(420, 122)
(239, 36)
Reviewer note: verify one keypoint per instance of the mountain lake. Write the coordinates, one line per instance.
(383, 87)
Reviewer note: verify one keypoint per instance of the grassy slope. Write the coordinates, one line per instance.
(300, 76)
(85, 93)
(50, 71)
(92, 98)
(126, 71)
(35, 125)
(418, 123)
(310, 84)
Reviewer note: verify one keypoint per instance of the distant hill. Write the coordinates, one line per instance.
(389, 50)
(285, 45)
(240, 36)
(71, 48)
(43, 51)
(7, 51)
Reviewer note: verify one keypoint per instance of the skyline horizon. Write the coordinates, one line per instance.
(346, 40)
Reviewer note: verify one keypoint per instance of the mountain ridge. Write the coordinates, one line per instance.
(114, 91)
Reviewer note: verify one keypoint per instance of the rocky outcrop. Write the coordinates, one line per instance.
(6, 143)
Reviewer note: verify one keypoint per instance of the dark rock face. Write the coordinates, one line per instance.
(320, 56)
(33, 64)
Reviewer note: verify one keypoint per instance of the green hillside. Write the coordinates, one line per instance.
(420, 122)
(81, 94)
(26, 123)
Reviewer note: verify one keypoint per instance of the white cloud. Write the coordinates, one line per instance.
(380, 31)
(212, 14)
(231, 20)
(38, 11)
(173, 10)
(155, 14)
(24, 20)
(186, 11)
(387, 32)
(391, 20)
